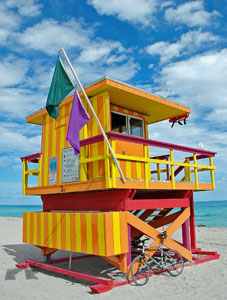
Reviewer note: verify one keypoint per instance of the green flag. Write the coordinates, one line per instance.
(61, 86)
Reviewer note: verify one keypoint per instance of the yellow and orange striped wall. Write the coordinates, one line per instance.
(54, 141)
(102, 234)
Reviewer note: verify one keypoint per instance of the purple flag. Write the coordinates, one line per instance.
(78, 118)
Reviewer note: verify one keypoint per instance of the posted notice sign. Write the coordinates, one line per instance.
(70, 165)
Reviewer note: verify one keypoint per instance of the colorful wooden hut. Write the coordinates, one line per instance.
(86, 206)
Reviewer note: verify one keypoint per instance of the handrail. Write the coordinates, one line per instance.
(148, 142)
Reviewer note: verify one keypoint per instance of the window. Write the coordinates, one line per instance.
(127, 124)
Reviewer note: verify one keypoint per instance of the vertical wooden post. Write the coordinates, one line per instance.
(196, 172)
(129, 255)
(39, 175)
(113, 165)
(192, 223)
(83, 176)
(107, 166)
(189, 171)
(146, 167)
(158, 172)
(212, 173)
(25, 176)
(185, 234)
(172, 170)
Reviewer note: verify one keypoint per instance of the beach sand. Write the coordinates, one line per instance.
(204, 281)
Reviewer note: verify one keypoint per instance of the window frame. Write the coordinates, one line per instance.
(128, 117)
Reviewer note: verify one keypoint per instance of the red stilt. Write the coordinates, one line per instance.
(192, 223)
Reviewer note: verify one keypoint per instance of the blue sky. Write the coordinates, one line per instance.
(175, 49)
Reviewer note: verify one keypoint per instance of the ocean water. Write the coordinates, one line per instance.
(208, 213)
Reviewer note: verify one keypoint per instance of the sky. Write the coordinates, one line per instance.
(174, 49)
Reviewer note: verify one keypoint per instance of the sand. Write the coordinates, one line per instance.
(204, 281)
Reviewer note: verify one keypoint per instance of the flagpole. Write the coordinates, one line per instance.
(94, 114)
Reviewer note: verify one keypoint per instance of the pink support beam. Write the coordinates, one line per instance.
(192, 223)
(185, 235)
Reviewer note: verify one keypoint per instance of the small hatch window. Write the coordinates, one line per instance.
(127, 124)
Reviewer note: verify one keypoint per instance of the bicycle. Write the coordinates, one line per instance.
(169, 260)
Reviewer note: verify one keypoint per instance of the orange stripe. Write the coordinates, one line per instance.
(133, 170)
(51, 123)
(63, 231)
(67, 114)
(31, 227)
(72, 232)
(24, 227)
(124, 232)
(95, 241)
(54, 232)
(38, 229)
(108, 227)
(46, 229)
(83, 233)
(101, 163)
(100, 112)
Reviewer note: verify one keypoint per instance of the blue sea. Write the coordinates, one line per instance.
(208, 213)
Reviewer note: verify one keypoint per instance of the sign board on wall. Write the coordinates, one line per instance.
(53, 170)
(70, 166)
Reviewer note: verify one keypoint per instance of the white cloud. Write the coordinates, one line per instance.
(18, 102)
(132, 11)
(188, 43)
(218, 116)
(14, 70)
(14, 137)
(29, 8)
(200, 80)
(191, 13)
(50, 35)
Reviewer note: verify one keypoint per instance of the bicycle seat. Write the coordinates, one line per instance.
(163, 235)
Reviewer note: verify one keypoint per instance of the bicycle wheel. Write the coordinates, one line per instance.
(140, 270)
(174, 262)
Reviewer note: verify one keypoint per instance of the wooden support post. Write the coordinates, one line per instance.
(83, 176)
(158, 172)
(39, 175)
(185, 234)
(107, 166)
(25, 176)
(146, 167)
(113, 166)
(189, 171)
(129, 255)
(212, 173)
(172, 169)
(192, 223)
(196, 172)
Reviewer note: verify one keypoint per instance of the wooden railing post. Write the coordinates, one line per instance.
(113, 165)
(25, 176)
(212, 173)
(39, 175)
(172, 169)
(195, 172)
(107, 166)
(146, 167)
(83, 176)
(158, 172)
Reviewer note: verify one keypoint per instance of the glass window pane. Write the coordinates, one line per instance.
(136, 127)
(119, 123)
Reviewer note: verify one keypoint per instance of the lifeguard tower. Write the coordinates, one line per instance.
(86, 206)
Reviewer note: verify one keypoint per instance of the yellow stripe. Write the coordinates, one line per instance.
(78, 233)
(101, 237)
(89, 233)
(35, 228)
(62, 137)
(54, 140)
(68, 233)
(116, 233)
(58, 216)
(50, 231)
(95, 132)
(128, 169)
(138, 171)
(46, 148)
(42, 228)
(28, 227)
